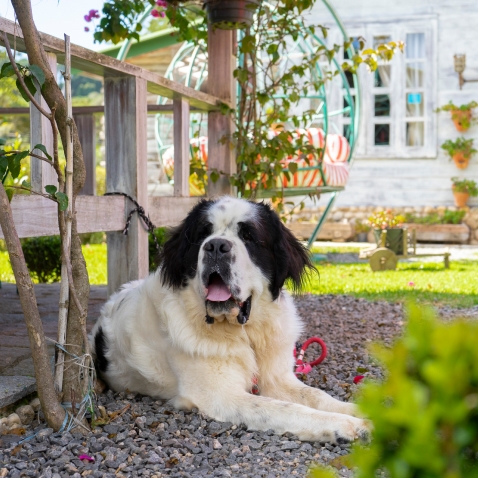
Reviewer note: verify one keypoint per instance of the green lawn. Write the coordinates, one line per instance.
(425, 282)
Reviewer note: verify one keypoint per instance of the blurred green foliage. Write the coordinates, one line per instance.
(43, 257)
(448, 217)
(425, 413)
(161, 236)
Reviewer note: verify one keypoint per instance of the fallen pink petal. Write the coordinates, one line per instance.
(411, 284)
(86, 457)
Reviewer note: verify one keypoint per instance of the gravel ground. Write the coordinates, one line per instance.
(152, 439)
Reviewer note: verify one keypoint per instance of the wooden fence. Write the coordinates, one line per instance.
(125, 109)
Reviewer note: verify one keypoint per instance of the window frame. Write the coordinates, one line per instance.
(398, 30)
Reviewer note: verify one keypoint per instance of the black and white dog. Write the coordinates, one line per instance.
(214, 316)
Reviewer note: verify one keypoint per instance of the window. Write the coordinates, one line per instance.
(399, 98)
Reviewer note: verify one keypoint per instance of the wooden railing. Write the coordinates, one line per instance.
(125, 109)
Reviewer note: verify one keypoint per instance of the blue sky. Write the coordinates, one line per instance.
(57, 17)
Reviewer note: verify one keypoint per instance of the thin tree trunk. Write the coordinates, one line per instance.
(53, 411)
(73, 388)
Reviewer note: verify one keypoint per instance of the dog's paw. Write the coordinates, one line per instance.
(352, 429)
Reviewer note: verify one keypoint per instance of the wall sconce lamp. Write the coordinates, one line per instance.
(459, 61)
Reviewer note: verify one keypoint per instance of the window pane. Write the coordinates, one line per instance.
(414, 104)
(382, 105)
(414, 74)
(381, 39)
(382, 76)
(415, 45)
(349, 78)
(415, 134)
(382, 134)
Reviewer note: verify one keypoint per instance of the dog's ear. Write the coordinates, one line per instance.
(291, 258)
(179, 256)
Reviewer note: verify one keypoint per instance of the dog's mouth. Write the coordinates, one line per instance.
(219, 299)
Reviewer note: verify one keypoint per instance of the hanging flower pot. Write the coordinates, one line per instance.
(460, 150)
(231, 14)
(461, 198)
(461, 161)
(461, 119)
(462, 190)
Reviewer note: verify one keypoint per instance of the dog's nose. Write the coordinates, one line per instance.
(218, 247)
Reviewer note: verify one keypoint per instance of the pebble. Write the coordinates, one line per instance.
(26, 414)
(153, 439)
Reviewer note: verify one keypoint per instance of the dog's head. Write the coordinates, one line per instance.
(232, 251)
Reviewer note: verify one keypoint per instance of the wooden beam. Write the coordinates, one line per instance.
(221, 64)
(42, 173)
(83, 110)
(181, 147)
(126, 172)
(102, 65)
(85, 124)
(37, 216)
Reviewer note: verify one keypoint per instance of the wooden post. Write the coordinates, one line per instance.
(42, 174)
(181, 147)
(221, 64)
(126, 171)
(85, 124)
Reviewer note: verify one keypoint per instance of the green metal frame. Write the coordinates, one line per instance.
(164, 122)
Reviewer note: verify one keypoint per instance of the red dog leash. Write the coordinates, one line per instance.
(300, 366)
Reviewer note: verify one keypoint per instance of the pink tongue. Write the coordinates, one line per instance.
(217, 290)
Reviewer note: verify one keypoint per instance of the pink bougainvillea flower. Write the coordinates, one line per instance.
(411, 284)
(87, 29)
(94, 14)
(358, 378)
(86, 458)
(87, 18)
(162, 3)
(155, 13)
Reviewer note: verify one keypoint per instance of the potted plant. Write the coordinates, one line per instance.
(386, 220)
(361, 230)
(460, 115)
(463, 189)
(231, 14)
(460, 150)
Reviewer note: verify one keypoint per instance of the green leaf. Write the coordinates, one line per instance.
(2, 141)
(42, 148)
(38, 74)
(31, 87)
(62, 199)
(214, 176)
(50, 189)
(26, 184)
(9, 192)
(14, 163)
(3, 166)
(7, 70)
(293, 167)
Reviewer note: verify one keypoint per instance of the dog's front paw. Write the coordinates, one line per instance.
(351, 429)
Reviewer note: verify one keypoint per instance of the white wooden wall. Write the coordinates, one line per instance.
(418, 181)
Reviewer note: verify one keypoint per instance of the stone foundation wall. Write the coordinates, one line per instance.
(353, 216)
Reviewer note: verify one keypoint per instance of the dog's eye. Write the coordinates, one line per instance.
(205, 230)
(245, 233)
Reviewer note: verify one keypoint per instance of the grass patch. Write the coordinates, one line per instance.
(338, 249)
(95, 256)
(423, 282)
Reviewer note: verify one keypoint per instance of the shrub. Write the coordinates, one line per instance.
(385, 220)
(160, 233)
(448, 217)
(425, 413)
(43, 257)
